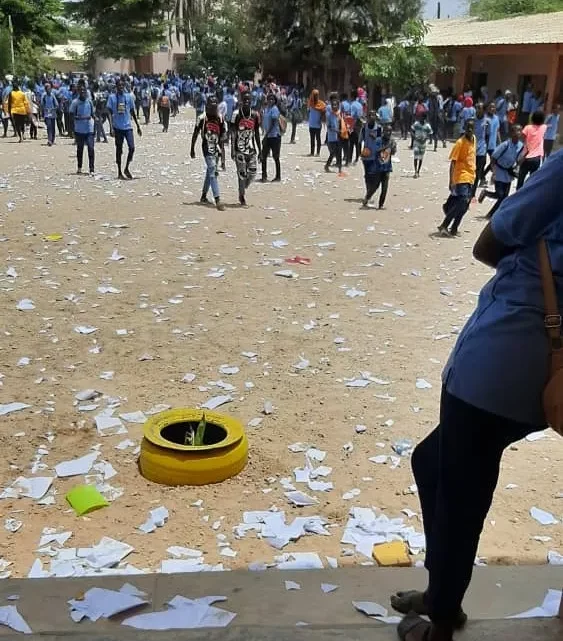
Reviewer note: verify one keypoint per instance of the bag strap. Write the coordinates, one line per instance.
(552, 315)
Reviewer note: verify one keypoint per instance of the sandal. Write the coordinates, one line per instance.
(414, 628)
(413, 601)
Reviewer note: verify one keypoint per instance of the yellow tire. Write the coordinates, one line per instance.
(169, 462)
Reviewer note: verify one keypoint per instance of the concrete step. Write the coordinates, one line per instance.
(265, 610)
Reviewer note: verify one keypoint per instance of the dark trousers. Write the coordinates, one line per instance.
(19, 123)
(456, 206)
(480, 163)
(88, 140)
(456, 476)
(547, 147)
(437, 125)
(32, 127)
(5, 124)
(294, 119)
(528, 166)
(122, 135)
(335, 153)
(405, 125)
(501, 192)
(60, 124)
(354, 146)
(147, 114)
(271, 145)
(50, 125)
(373, 182)
(315, 135)
(99, 129)
(524, 118)
(165, 115)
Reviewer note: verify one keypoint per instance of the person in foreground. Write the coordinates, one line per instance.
(491, 397)
(121, 109)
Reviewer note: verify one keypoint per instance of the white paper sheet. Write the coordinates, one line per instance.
(8, 408)
(77, 466)
(549, 607)
(370, 608)
(34, 487)
(543, 517)
(100, 603)
(10, 617)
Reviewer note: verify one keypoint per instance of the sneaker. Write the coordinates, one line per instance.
(78, 171)
(204, 200)
(242, 201)
(219, 205)
(482, 196)
(128, 174)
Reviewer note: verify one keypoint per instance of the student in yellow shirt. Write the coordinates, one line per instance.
(18, 108)
(462, 177)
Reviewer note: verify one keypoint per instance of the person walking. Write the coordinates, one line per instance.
(316, 108)
(503, 162)
(212, 129)
(121, 109)
(492, 397)
(246, 144)
(336, 133)
(381, 152)
(421, 133)
(552, 122)
(482, 126)
(272, 138)
(84, 114)
(18, 108)
(533, 147)
(462, 178)
(295, 107)
(49, 107)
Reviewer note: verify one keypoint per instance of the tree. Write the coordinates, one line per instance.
(495, 9)
(122, 28)
(38, 20)
(403, 63)
(183, 15)
(309, 32)
(222, 43)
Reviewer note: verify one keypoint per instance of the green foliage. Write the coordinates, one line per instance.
(40, 21)
(222, 43)
(5, 51)
(402, 63)
(121, 28)
(495, 9)
(184, 14)
(309, 32)
(31, 60)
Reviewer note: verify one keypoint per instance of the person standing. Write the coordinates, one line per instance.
(382, 151)
(405, 117)
(503, 161)
(212, 129)
(462, 179)
(527, 104)
(533, 147)
(436, 116)
(49, 107)
(316, 108)
(295, 107)
(357, 115)
(467, 113)
(492, 393)
(482, 126)
(336, 129)
(83, 112)
(18, 108)
(121, 109)
(33, 114)
(146, 101)
(246, 144)
(552, 122)
(421, 133)
(494, 137)
(164, 107)
(100, 104)
(272, 138)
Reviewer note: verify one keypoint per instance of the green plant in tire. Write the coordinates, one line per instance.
(200, 432)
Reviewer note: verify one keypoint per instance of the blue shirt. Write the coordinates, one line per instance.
(552, 122)
(527, 101)
(481, 130)
(83, 112)
(502, 106)
(500, 362)
(506, 155)
(357, 109)
(494, 124)
(385, 114)
(120, 107)
(384, 150)
(346, 107)
(230, 100)
(272, 119)
(536, 104)
(315, 118)
(332, 125)
(467, 113)
(49, 105)
(370, 138)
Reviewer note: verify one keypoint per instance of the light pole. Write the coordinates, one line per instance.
(11, 29)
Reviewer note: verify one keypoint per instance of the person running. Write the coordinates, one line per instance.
(482, 126)
(462, 178)
(503, 161)
(18, 108)
(121, 108)
(316, 108)
(246, 145)
(49, 107)
(421, 133)
(165, 106)
(272, 138)
(84, 113)
(212, 129)
(533, 147)
(552, 122)
(381, 151)
(336, 133)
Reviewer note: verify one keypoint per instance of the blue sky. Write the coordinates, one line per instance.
(450, 8)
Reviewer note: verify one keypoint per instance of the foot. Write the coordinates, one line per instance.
(416, 175)
(204, 200)
(78, 171)
(120, 176)
(277, 179)
(365, 203)
(264, 179)
(128, 174)
(311, 155)
(413, 601)
(318, 154)
(92, 173)
(414, 628)
(242, 201)
(482, 196)
(219, 205)
(327, 169)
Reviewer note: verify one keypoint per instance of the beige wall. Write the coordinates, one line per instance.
(106, 65)
(503, 71)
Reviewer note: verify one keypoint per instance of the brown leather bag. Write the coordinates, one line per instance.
(553, 392)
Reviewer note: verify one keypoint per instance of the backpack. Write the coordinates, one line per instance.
(283, 124)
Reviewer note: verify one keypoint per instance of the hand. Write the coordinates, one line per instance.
(139, 131)
(192, 155)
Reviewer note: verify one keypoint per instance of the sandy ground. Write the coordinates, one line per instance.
(424, 288)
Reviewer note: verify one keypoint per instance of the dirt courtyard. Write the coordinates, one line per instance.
(195, 289)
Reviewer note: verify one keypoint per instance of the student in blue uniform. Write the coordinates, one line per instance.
(83, 113)
(121, 108)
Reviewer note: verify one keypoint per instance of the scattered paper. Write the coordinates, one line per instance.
(11, 618)
(542, 517)
(370, 608)
(77, 466)
(100, 603)
(8, 408)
